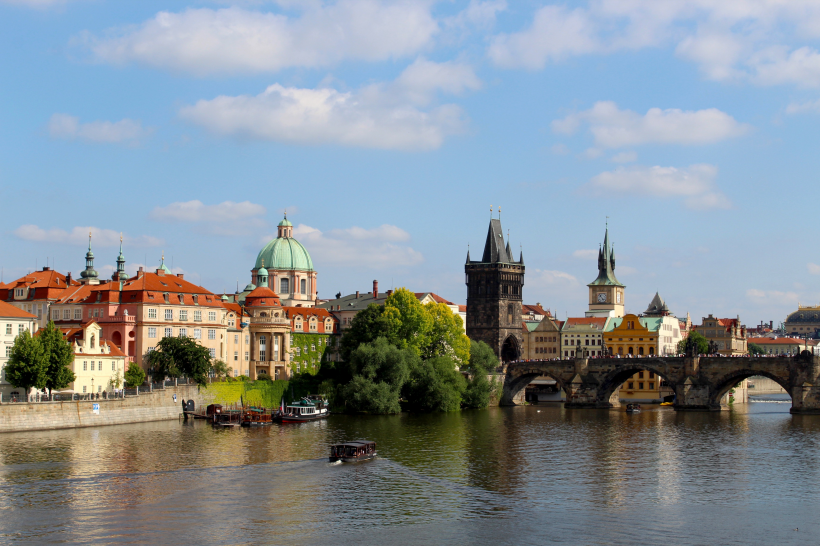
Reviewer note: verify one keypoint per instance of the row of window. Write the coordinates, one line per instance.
(10, 328)
(77, 313)
(546, 350)
(196, 333)
(99, 365)
(540, 339)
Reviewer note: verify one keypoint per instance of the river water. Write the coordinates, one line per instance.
(523, 475)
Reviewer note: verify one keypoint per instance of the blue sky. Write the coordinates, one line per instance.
(388, 129)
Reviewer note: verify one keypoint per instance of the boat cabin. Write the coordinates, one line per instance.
(350, 451)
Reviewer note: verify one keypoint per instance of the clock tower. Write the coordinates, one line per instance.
(606, 293)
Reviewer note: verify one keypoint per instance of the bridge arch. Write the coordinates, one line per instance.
(514, 385)
(725, 383)
(608, 389)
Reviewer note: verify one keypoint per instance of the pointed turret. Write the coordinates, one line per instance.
(657, 307)
(521, 258)
(508, 251)
(494, 251)
(606, 265)
(119, 274)
(468, 255)
(89, 275)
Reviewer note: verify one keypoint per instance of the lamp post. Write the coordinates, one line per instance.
(92, 388)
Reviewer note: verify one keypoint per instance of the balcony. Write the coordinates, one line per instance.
(270, 320)
(122, 318)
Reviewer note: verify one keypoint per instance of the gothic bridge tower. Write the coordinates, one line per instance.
(494, 286)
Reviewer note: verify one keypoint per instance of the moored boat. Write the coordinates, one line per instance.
(257, 417)
(302, 412)
(350, 452)
(633, 408)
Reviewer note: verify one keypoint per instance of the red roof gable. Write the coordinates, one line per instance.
(600, 322)
(7, 310)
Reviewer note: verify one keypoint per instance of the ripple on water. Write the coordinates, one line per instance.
(502, 476)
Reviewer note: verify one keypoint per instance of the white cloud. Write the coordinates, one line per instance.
(69, 127)
(556, 33)
(814, 269)
(801, 107)
(227, 218)
(381, 247)
(234, 40)
(79, 236)
(585, 254)
(744, 40)
(625, 157)
(694, 184)
(772, 297)
(612, 127)
(396, 115)
(478, 13)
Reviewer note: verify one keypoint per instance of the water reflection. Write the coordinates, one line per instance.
(480, 476)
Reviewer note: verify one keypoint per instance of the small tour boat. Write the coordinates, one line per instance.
(302, 412)
(633, 408)
(351, 452)
(319, 402)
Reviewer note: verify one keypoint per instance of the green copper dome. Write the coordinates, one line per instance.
(285, 223)
(284, 253)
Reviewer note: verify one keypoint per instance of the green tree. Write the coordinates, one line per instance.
(695, 339)
(26, 368)
(220, 369)
(177, 356)
(366, 327)
(755, 349)
(408, 322)
(58, 355)
(134, 376)
(479, 388)
(434, 385)
(446, 335)
(379, 370)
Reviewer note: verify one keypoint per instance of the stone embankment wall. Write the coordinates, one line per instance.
(156, 406)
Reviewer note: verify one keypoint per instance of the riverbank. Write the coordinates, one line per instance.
(158, 405)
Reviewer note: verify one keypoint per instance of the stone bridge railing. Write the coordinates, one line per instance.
(699, 383)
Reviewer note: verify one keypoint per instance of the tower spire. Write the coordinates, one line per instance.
(89, 275)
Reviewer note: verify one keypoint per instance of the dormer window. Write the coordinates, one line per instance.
(167, 297)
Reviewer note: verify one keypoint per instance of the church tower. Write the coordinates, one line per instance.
(89, 275)
(494, 286)
(606, 293)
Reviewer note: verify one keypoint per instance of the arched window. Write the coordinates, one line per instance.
(640, 350)
(509, 314)
(93, 342)
(651, 350)
(631, 351)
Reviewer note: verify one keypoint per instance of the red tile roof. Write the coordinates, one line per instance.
(7, 310)
(600, 322)
(262, 297)
(780, 341)
(435, 297)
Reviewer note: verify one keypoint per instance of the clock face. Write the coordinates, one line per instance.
(601, 296)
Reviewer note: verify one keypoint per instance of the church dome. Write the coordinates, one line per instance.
(284, 253)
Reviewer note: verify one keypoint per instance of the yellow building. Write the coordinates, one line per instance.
(632, 335)
(727, 335)
(99, 365)
(542, 339)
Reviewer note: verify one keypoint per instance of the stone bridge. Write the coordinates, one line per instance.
(699, 383)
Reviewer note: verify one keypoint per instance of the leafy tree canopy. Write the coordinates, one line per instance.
(366, 326)
(220, 369)
(755, 349)
(696, 341)
(446, 335)
(409, 323)
(27, 363)
(379, 370)
(59, 356)
(434, 385)
(134, 376)
(177, 356)
(479, 388)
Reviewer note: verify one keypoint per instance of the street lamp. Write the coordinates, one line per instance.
(92, 388)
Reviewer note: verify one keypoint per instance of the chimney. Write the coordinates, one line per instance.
(389, 292)
(375, 289)
(46, 268)
(161, 272)
(180, 275)
(357, 294)
(68, 279)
